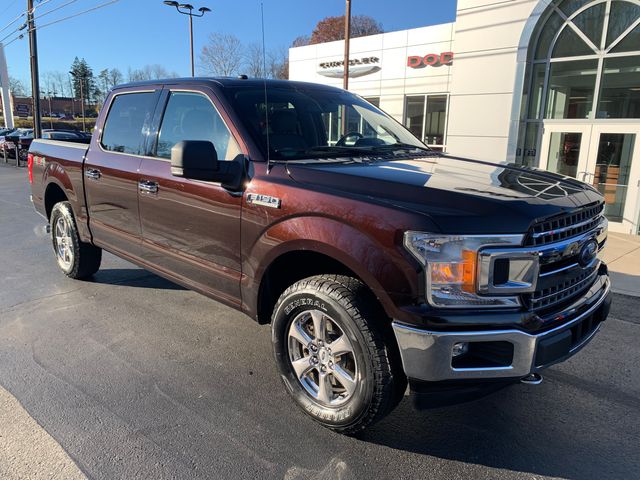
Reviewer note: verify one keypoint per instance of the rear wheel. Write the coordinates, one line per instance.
(75, 258)
(335, 353)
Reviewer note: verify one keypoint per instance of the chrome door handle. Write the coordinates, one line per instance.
(93, 174)
(147, 186)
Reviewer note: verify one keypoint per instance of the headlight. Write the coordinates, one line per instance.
(453, 268)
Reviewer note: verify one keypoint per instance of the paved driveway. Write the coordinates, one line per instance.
(131, 376)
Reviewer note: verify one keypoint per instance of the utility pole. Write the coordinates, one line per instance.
(84, 126)
(35, 75)
(193, 68)
(347, 40)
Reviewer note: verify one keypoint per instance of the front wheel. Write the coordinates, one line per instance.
(75, 258)
(335, 352)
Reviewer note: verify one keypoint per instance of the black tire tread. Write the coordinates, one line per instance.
(363, 308)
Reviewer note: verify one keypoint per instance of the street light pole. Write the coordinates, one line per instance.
(84, 126)
(35, 75)
(347, 41)
(187, 9)
(50, 117)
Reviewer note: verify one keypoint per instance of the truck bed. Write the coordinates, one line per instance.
(60, 163)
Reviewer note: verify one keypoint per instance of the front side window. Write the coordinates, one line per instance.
(127, 116)
(192, 116)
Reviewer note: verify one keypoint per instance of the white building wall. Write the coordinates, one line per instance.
(487, 76)
(395, 79)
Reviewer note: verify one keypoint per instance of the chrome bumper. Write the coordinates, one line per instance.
(427, 355)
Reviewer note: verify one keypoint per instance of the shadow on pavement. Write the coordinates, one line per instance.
(497, 432)
(133, 277)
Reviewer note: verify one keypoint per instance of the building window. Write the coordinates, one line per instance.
(584, 63)
(426, 117)
(375, 101)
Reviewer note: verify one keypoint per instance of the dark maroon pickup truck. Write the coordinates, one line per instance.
(376, 261)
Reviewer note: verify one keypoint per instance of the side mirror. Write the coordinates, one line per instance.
(198, 160)
(194, 159)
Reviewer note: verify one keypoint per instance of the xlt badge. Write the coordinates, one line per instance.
(263, 200)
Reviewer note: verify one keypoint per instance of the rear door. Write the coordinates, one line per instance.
(191, 228)
(111, 170)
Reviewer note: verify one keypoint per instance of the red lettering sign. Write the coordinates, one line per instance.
(430, 60)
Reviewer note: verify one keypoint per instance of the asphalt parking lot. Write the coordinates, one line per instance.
(131, 376)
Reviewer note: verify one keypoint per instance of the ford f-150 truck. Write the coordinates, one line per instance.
(376, 260)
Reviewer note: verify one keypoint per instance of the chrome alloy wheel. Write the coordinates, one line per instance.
(64, 244)
(323, 358)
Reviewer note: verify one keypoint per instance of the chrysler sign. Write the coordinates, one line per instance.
(430, 60)
(358, 67)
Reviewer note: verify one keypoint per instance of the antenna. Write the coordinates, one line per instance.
(264, 80)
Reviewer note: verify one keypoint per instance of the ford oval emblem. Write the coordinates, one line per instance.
(587, 253)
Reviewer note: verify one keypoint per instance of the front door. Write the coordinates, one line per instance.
(603, 156)
(191, 228)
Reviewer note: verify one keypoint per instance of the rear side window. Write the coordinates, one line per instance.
(192, 116)
(127, 116)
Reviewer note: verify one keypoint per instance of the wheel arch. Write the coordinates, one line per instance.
(53, 194)
(325, 246)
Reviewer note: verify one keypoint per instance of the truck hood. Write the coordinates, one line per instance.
(459, 195)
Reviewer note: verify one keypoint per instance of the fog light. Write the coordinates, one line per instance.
(460, 348)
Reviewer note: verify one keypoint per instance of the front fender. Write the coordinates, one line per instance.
(380, 262)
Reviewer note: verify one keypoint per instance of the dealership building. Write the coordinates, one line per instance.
(547, 83)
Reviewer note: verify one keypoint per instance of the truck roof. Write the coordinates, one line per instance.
(225, 82)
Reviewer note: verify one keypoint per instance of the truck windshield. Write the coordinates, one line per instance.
(306, 123)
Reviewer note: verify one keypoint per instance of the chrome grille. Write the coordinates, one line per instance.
(565, 289)
(564, 226)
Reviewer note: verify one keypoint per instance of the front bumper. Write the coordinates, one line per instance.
(428, 355)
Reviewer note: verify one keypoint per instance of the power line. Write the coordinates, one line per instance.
(40, 27)
(79, 13)
(12, 22)
(56, 9)
(8, 7)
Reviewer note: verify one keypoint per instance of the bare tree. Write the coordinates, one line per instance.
(223, 55)
(115, 77)
(254, 61)
(17, 87)
(278, 64)
(301, 41)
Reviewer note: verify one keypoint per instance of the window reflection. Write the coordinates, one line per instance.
(620, 90)
(571, 88)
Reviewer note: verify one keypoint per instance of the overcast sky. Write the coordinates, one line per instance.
(133, 33)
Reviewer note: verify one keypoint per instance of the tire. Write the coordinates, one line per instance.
(76, 259)
(358, 382)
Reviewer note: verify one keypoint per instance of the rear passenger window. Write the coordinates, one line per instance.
(123, 127)
(192, 116)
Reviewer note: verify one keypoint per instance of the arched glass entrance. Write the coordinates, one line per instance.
(580, 114)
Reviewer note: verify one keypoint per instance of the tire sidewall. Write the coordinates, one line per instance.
(286, 311)
(63, 209)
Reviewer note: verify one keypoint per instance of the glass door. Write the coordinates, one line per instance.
(565, 149)
(605, 156)
(613, 168)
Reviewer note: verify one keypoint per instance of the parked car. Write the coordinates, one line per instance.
(376, 260)
(3, 132)
(9, 147)
(51, 134)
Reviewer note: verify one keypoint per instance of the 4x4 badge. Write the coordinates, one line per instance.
(263, 200)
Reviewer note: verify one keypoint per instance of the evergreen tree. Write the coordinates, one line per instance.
(82, 75)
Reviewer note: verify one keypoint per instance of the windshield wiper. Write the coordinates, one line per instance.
(406, 146)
